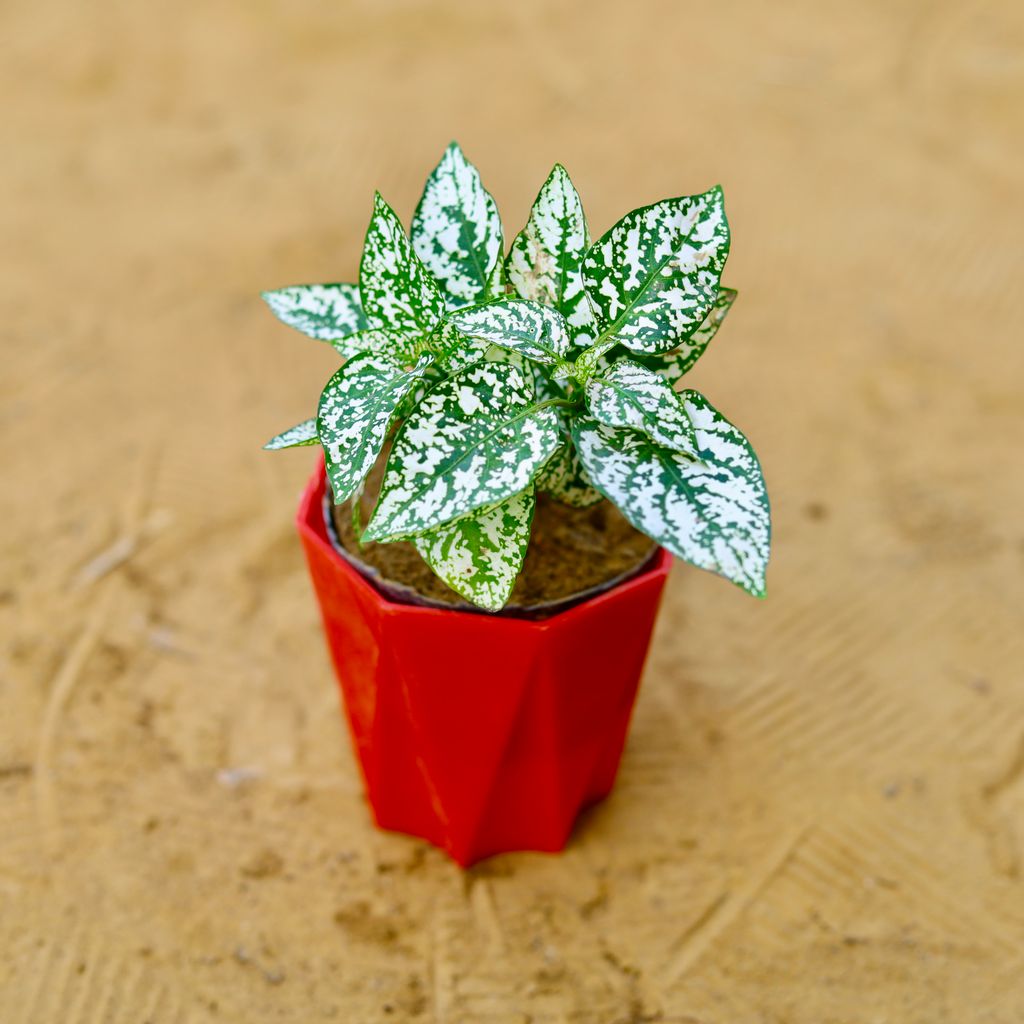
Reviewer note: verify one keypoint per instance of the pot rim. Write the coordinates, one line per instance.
(313, 519)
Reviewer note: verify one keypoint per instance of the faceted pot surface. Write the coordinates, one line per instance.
(481, 733)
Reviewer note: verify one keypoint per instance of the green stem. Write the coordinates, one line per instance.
(548, 402)
(357, 519)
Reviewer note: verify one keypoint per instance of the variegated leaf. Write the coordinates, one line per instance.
(629, 395)
(713, 513)
(327, 312)
(544, 263)
(564, 479)
(476, 439)
(673, 365)
(561, 476)
(535, 374)
(481, 555)
(654, 276)
(454, 350)
(496, 283)
(591, 359)
(356, 410)
(456, 231)
(295, 437)
(535, 331)
(399, 346)
(397, 291)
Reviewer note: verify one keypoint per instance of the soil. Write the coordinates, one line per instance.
(571, 551)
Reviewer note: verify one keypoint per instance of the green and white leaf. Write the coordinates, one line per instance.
(496, 283)
(562, 475)
(477, 438)
(356, 410)
(713, 513)
(590, 359)
(299, 436)
(397, 291)
(535, 331)
(545, 260)
(327, 312)
(481, 555)
(564, 478)
(629, 395)
(400, 347)
(456, 231)
(454, 350)
(654, 276)
(673, 365)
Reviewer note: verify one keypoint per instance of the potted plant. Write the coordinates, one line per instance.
(485, 398)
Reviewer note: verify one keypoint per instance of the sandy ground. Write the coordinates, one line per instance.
(820, 814)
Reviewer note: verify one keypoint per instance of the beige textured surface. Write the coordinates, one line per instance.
(820, 816)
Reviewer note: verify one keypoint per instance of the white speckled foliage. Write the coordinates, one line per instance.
(629, 395)
(299, 436)
(564, 478)
(356, 410)
(476, 439)
(481, 555)
(493, 392)
(456, 231)
(327, 312)
(675, 364)
(454, 350)
(533, 330)
(654, 276)
(713, 513)
(398, 294)
(545, 261)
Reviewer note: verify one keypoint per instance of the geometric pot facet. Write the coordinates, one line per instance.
(481, 733)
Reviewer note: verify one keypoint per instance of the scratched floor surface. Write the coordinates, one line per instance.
(820, 814)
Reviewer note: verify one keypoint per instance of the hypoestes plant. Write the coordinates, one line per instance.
(553, 368)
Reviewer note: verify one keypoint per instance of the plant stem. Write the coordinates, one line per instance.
(357, 519)
(548, 402)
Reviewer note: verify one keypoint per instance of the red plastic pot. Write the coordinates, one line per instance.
(481, 733)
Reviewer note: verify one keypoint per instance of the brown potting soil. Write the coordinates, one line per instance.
(571, 551)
